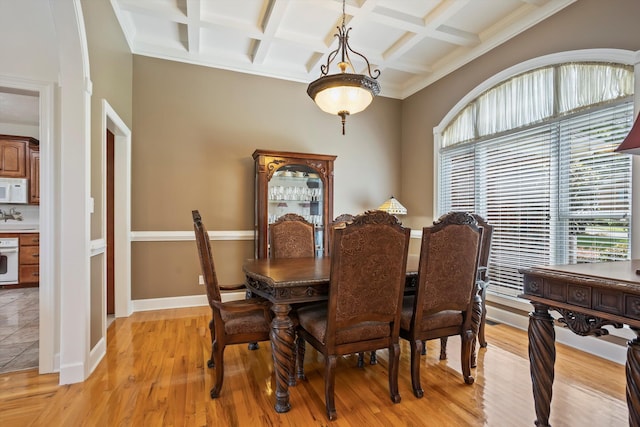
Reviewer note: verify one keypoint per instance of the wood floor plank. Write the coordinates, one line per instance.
(155, 374)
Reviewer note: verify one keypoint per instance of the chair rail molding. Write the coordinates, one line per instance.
(177, 236)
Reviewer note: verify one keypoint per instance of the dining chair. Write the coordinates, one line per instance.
(368, 267)
(340, 222)
(291, 236)
(232, 322)
(482, 280)
(483, 272)
(446, 301)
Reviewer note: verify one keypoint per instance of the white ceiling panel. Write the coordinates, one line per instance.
(479, 15)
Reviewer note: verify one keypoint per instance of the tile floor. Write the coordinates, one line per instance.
(19, 313)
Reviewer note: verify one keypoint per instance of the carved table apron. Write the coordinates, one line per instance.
(588, 296)
(290, 281)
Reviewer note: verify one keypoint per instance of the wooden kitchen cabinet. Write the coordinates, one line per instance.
(13, 155)
(292, 183)
(29, 258)
(34, 174)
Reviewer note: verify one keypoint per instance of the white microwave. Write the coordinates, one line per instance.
(14, 190)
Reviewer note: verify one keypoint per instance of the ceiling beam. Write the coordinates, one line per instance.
(270, 22)
(193, 26)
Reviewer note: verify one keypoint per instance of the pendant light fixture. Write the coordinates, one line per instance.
(346, 92)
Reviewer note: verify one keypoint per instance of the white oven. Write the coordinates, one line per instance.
(9, 261)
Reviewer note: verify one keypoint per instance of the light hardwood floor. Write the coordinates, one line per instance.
(155, 374)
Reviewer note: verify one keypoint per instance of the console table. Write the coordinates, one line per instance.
(588, 297)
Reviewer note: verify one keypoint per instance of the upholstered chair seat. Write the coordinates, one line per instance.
(314, 320)
(442, 319)
(244, 322)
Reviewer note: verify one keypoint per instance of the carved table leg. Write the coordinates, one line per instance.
(282, 347)
(476, 321)
(542, 357)
(251, 345)
(633, 379)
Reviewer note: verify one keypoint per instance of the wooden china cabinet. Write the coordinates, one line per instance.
(292, 183)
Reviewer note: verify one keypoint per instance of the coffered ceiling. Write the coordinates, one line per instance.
(412, 42)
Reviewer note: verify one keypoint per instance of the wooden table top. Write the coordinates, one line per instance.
(612, 274)
(293, 272)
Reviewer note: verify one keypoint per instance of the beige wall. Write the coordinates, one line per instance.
(587, 24)
(194, 131)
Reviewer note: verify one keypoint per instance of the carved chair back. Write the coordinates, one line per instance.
(448, 265)
(291, 236)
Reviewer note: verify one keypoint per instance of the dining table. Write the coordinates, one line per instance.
(286, 282)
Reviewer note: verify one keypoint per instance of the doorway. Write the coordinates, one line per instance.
(41, 113)
(117, 215)
(110, 232)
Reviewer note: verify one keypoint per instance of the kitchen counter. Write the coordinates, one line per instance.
(19, 228)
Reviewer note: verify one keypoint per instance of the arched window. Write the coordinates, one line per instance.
(533, 154)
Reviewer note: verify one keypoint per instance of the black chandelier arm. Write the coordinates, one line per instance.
(344, 48)
(324, 69)
(376, 71)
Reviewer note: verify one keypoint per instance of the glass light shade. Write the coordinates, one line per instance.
(351, 99)
(393, 207)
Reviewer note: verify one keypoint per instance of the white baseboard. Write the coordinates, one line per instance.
(71, 374)
(181, 302)
(598, 347)
(97, 353)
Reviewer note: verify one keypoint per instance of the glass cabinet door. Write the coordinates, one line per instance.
(297, 183)
(298, 189)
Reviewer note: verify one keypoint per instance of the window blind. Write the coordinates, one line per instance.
(555, 193)
(595, 186)
(457, 178)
